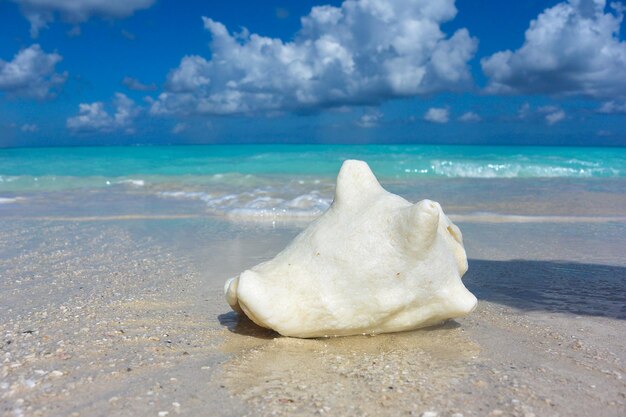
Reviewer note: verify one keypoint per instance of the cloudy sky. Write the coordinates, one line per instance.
(88, 72)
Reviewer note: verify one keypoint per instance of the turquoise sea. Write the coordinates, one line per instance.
(65, 165)
(295, 181)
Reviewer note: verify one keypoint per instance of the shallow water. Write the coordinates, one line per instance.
(303, 200)
(270, 183)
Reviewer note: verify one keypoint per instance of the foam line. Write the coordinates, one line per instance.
(513, 218)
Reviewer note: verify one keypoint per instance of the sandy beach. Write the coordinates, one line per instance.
(123, 314)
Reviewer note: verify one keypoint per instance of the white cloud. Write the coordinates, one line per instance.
(74, 32)
(363, 52)
(573, 48)
(470, 116)
(135, 84)
(547, 109)
(613, 107)
(31, 73)
(555, 116)
(282, 13)
(29, 128)
(41, 12)
(369, 120)
(437, 115)
(550, 114)
(93, 117)
(179, 128)
(524, 111)
(128, 35)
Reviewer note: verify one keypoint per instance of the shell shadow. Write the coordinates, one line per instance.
(240, 324)
(553, 286)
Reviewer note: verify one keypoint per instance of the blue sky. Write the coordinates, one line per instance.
(90, 72)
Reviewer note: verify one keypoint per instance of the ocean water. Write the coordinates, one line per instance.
(270, 182)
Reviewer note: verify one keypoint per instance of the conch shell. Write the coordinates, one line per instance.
(372, 263)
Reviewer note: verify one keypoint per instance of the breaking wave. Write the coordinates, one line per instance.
(10, 200)
(257, 203)
(485, 169)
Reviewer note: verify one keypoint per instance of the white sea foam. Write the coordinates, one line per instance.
(132, 182)
(465, 169)
(488, 217)
(259, 204)
(10, 200)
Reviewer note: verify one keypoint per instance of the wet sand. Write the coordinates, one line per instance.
(126, 317)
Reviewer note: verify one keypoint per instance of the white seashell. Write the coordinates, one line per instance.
(373, 263)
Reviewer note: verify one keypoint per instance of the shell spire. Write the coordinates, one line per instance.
(355, 183)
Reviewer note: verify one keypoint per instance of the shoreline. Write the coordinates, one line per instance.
(482, 217)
